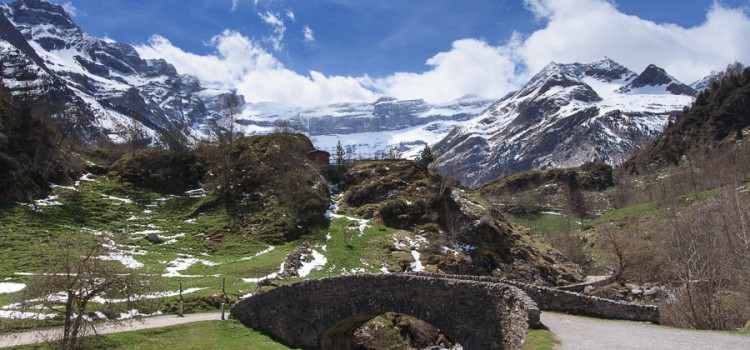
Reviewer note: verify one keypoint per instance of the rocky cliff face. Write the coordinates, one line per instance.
(568, 114)
(108, 78)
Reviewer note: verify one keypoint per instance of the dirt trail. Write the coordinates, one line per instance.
(577, 332)
(147, 323)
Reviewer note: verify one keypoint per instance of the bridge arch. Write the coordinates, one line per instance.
(325, 313)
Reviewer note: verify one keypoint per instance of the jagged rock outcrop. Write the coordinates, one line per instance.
(461, 231)
(656, 80)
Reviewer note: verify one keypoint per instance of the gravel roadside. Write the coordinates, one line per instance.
(577, 332)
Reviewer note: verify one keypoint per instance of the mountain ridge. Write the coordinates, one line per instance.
(565, 116)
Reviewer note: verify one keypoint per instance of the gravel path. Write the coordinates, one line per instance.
(146, 323)
(590, 333)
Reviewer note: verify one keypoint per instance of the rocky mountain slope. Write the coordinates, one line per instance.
(568, 114)
(41, 46)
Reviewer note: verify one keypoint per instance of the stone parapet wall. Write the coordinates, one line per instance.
(550, 299)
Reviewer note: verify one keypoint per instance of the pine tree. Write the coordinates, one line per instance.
(426, 156)
(340, 155)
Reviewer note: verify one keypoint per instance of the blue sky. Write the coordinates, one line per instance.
(333, 50)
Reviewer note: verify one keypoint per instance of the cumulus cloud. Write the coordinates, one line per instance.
(471, 66)
(278, 28)
(241, 63)
(290, 15)
(586, 30)
(572, 31)
(578, 31)
(309, 34)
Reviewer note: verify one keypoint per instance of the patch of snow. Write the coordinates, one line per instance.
(147, 232)
(124, 200)
(71, 188)
(319, 260)
(363, 223)
(266, 251)
(10, 287)
(552, 213)
(17, 315)
(49, 201)
(124, 258)
(172, 239)
(447, 251)
(196, 193)
(416, 266)
(87, 177)
(271, 276)
(157, 295)
(182, 264)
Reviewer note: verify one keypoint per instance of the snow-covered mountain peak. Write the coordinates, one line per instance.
(38, 12)
(45, 23)
(111, 79)
(566, 115)
(655, 80)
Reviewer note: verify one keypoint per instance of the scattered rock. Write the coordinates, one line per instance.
(154, 238)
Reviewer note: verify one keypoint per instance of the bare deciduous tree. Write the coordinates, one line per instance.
(80, 279)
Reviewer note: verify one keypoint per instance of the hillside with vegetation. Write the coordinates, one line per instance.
(219, 221)
(720, 114)
(674, 227)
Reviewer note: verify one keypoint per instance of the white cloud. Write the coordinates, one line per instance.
(235, 4)
(277, 30)
(586, 30)
(70, 9)
(578, 31)
(573, 31)
(256, 74)
(471, 66)
(309, 34)
(290, 15)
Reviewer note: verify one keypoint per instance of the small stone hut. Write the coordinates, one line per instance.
(319, 157)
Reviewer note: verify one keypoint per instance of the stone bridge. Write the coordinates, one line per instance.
(325, 313)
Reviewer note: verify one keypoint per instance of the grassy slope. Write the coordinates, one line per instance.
(25, 232)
